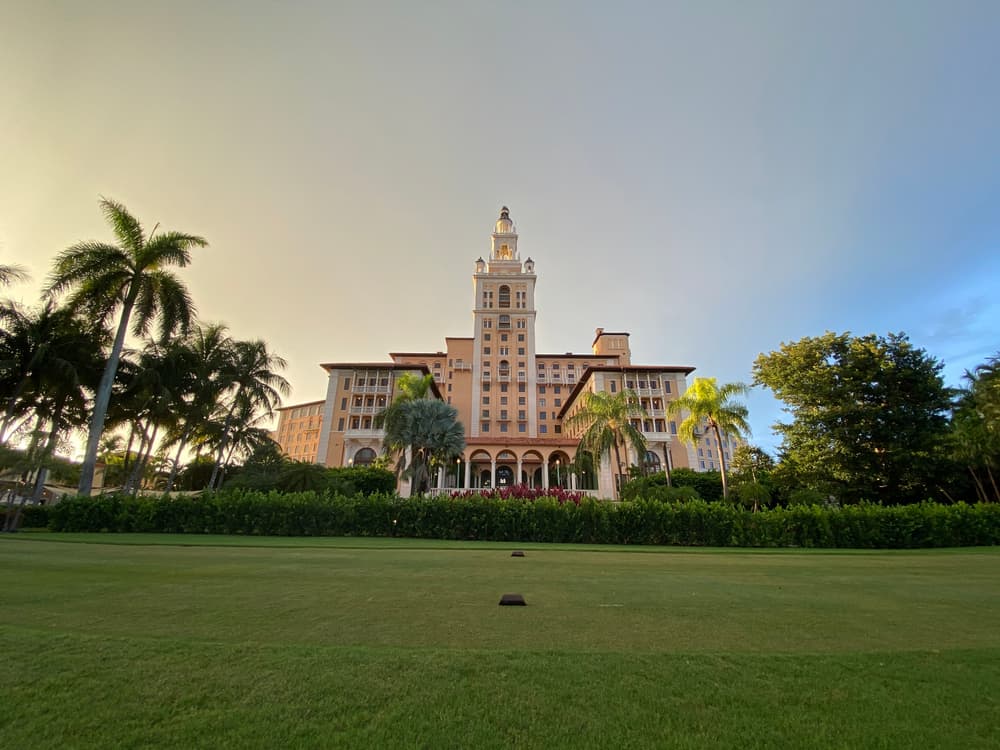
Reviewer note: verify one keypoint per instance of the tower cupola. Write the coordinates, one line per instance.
(504, 238)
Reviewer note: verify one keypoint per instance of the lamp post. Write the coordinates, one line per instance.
(458, 465)
(558, 475)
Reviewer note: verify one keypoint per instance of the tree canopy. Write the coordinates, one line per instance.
(868, 415)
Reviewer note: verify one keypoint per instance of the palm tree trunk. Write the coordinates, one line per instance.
(145, 460)
(996, 492)
(130, 478)
(128, 449)
(103, 397)
(223, 441)
(50, 444)
(177, 463)
(722, 461)
(8, 416)
(980, 490)
(618, 461)
(666, 464)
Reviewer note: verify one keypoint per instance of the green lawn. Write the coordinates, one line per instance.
(215, 642)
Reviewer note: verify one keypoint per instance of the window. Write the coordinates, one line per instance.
(673, 428)
(558, 429)
(542, 429)
(541, 389)
(521, 427)
(541, 402)
(340, 425)
(449, 387)
(504, 321)
(503, 414)
(486, 337)
(555, 367)
(521, 388)
(503, 401)
(521, 401)
(503, 388)
(343, 404)
(487, 352)
(521, 414)
(484, 427)
(486, 400)
(558, 402)
(486, 387)
(701, 452)
(703, 464)
(488, 298)
(503, 337)
(666, 386)
(614, 386)
(541, 415)
(520, 337)
(520, 350)
(488, 323)
(503, 427)
(558, 389)
(504, 296)
(486, 414)
(521, 323)
(504, 351)
(347, 384)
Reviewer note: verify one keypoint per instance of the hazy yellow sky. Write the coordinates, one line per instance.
(713, 177)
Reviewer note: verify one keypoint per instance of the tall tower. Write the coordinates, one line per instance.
(503, 387)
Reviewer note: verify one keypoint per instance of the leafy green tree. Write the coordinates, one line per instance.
(606, 421)
(715, 408)
(429, 431)
(975, 428)
(411, 387)
(868, 415)
(131, 278)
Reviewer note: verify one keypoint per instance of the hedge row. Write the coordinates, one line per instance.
(543, 520)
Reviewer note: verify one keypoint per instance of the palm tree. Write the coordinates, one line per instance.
(430, 431)
(208, 350)
(411, 387)
(714, 407)
(10, 274)
(132, 278)
(257, 390)
(606, 419)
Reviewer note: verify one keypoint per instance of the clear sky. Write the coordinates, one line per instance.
(714, 177)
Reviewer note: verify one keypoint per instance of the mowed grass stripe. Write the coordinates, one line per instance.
(206, 646)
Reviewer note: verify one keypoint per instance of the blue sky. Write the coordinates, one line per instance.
(734, 175)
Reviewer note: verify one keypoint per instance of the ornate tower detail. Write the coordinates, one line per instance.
(504, 238)
(504, 339)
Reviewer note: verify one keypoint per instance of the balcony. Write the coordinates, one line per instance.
(366, 409)
(364, 432)
(503, 377)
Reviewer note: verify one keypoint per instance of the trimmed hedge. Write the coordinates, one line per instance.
(694, 523)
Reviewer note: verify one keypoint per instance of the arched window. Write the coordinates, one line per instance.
(651, 464)
(364, 457)
(504, 296)
(504, 367)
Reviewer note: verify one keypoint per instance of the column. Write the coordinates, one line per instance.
(468, 473)
(572, 481)
(545, 476)
(440, 477)
(517, 479)
(493, 473)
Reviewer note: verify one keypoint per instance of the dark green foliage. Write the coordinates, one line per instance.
(868, 417)
(304, 476)
(544, 520)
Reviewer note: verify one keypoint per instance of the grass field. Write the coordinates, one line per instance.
(235, 642)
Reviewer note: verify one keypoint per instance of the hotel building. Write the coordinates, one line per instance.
(512, 400)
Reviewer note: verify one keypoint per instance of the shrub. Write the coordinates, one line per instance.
(541, 519)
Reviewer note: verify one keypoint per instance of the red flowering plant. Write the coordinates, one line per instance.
(523, 492)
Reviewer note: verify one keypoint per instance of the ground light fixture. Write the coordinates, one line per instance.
(512, 600)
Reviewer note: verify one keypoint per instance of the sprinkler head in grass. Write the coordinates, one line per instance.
(517, 553)
(512, 600)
